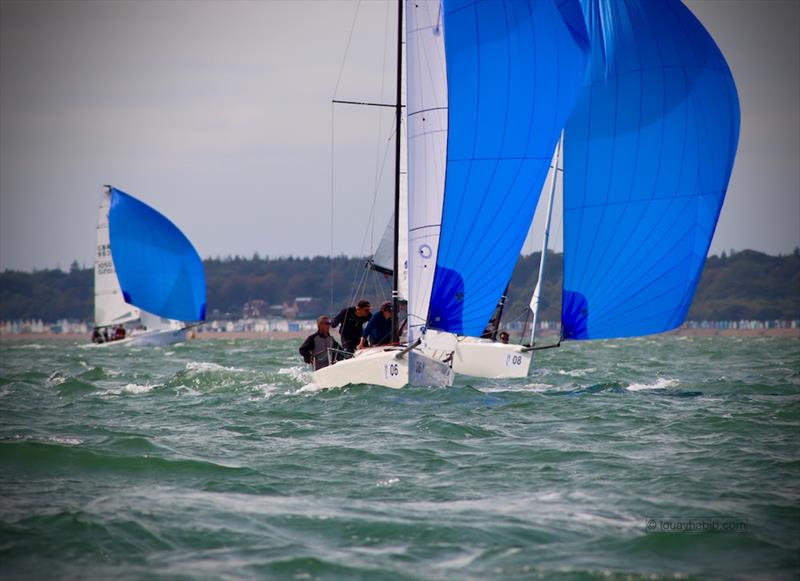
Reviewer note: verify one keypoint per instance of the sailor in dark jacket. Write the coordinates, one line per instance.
(315, 349)
(379, 329)
(352, 320)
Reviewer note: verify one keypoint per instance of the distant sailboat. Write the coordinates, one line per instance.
(149, 280)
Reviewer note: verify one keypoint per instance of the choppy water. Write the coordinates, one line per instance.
(216, 460)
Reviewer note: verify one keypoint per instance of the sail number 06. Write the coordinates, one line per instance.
(391, 370)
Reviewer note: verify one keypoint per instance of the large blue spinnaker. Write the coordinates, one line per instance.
(648, 151)
(514, 71)
(159, 270)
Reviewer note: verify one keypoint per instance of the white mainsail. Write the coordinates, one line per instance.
(110, 307)
(427, 152)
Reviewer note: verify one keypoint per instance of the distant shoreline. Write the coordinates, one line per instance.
(303, 334)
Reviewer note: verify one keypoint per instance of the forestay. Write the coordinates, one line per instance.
(158, 269)
(648, 154)
(514, 70)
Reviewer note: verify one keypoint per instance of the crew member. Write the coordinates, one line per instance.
(379, 329)
(352, 321)
(97, 336)
(316, 348)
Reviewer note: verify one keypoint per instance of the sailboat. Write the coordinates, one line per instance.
(149, 281)
(398, 365)
(648, 153)
(511, 74)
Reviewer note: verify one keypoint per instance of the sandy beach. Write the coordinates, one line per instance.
(303, 334)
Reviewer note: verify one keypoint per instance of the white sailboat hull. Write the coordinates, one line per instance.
(386, 367)
(485, 358)
(155, 338)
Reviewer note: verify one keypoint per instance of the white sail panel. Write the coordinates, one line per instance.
(383, 259)
(109, 306)
(427, 151)
(384, 254)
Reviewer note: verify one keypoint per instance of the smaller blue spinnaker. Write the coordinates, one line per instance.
(159, 270)
(648, 152)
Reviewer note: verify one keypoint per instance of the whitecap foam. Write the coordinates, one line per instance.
(34, 346)
(531, 387)
(577, 372)
(205, 366)
(310, 388)
(661, 383)
(130, 389)
(295, 372)
(56, 378)
(66, 440)
(267, 391)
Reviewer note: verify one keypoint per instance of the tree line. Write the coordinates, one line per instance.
(739, 285)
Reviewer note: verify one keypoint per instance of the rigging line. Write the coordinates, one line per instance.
(378, 165)
(360, 286)
(347, 49)
(371, 216)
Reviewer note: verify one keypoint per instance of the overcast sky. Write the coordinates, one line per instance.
(219, 115)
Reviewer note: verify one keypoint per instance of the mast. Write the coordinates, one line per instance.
(398, 118)
(536, 299)
(500, 306)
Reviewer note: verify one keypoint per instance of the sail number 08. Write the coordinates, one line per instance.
(513, 360)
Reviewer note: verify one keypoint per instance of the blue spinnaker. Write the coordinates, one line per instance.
(158, 269)
(514, 71)
(649, 151)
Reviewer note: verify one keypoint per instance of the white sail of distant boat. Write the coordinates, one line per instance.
(149, 280)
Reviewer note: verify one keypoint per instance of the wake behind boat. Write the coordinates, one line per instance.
(150, 284)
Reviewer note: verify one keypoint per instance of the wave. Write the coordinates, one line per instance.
(71, 456)
(660, 383)
(130, 389)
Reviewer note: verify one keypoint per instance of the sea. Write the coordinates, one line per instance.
(647, 458)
